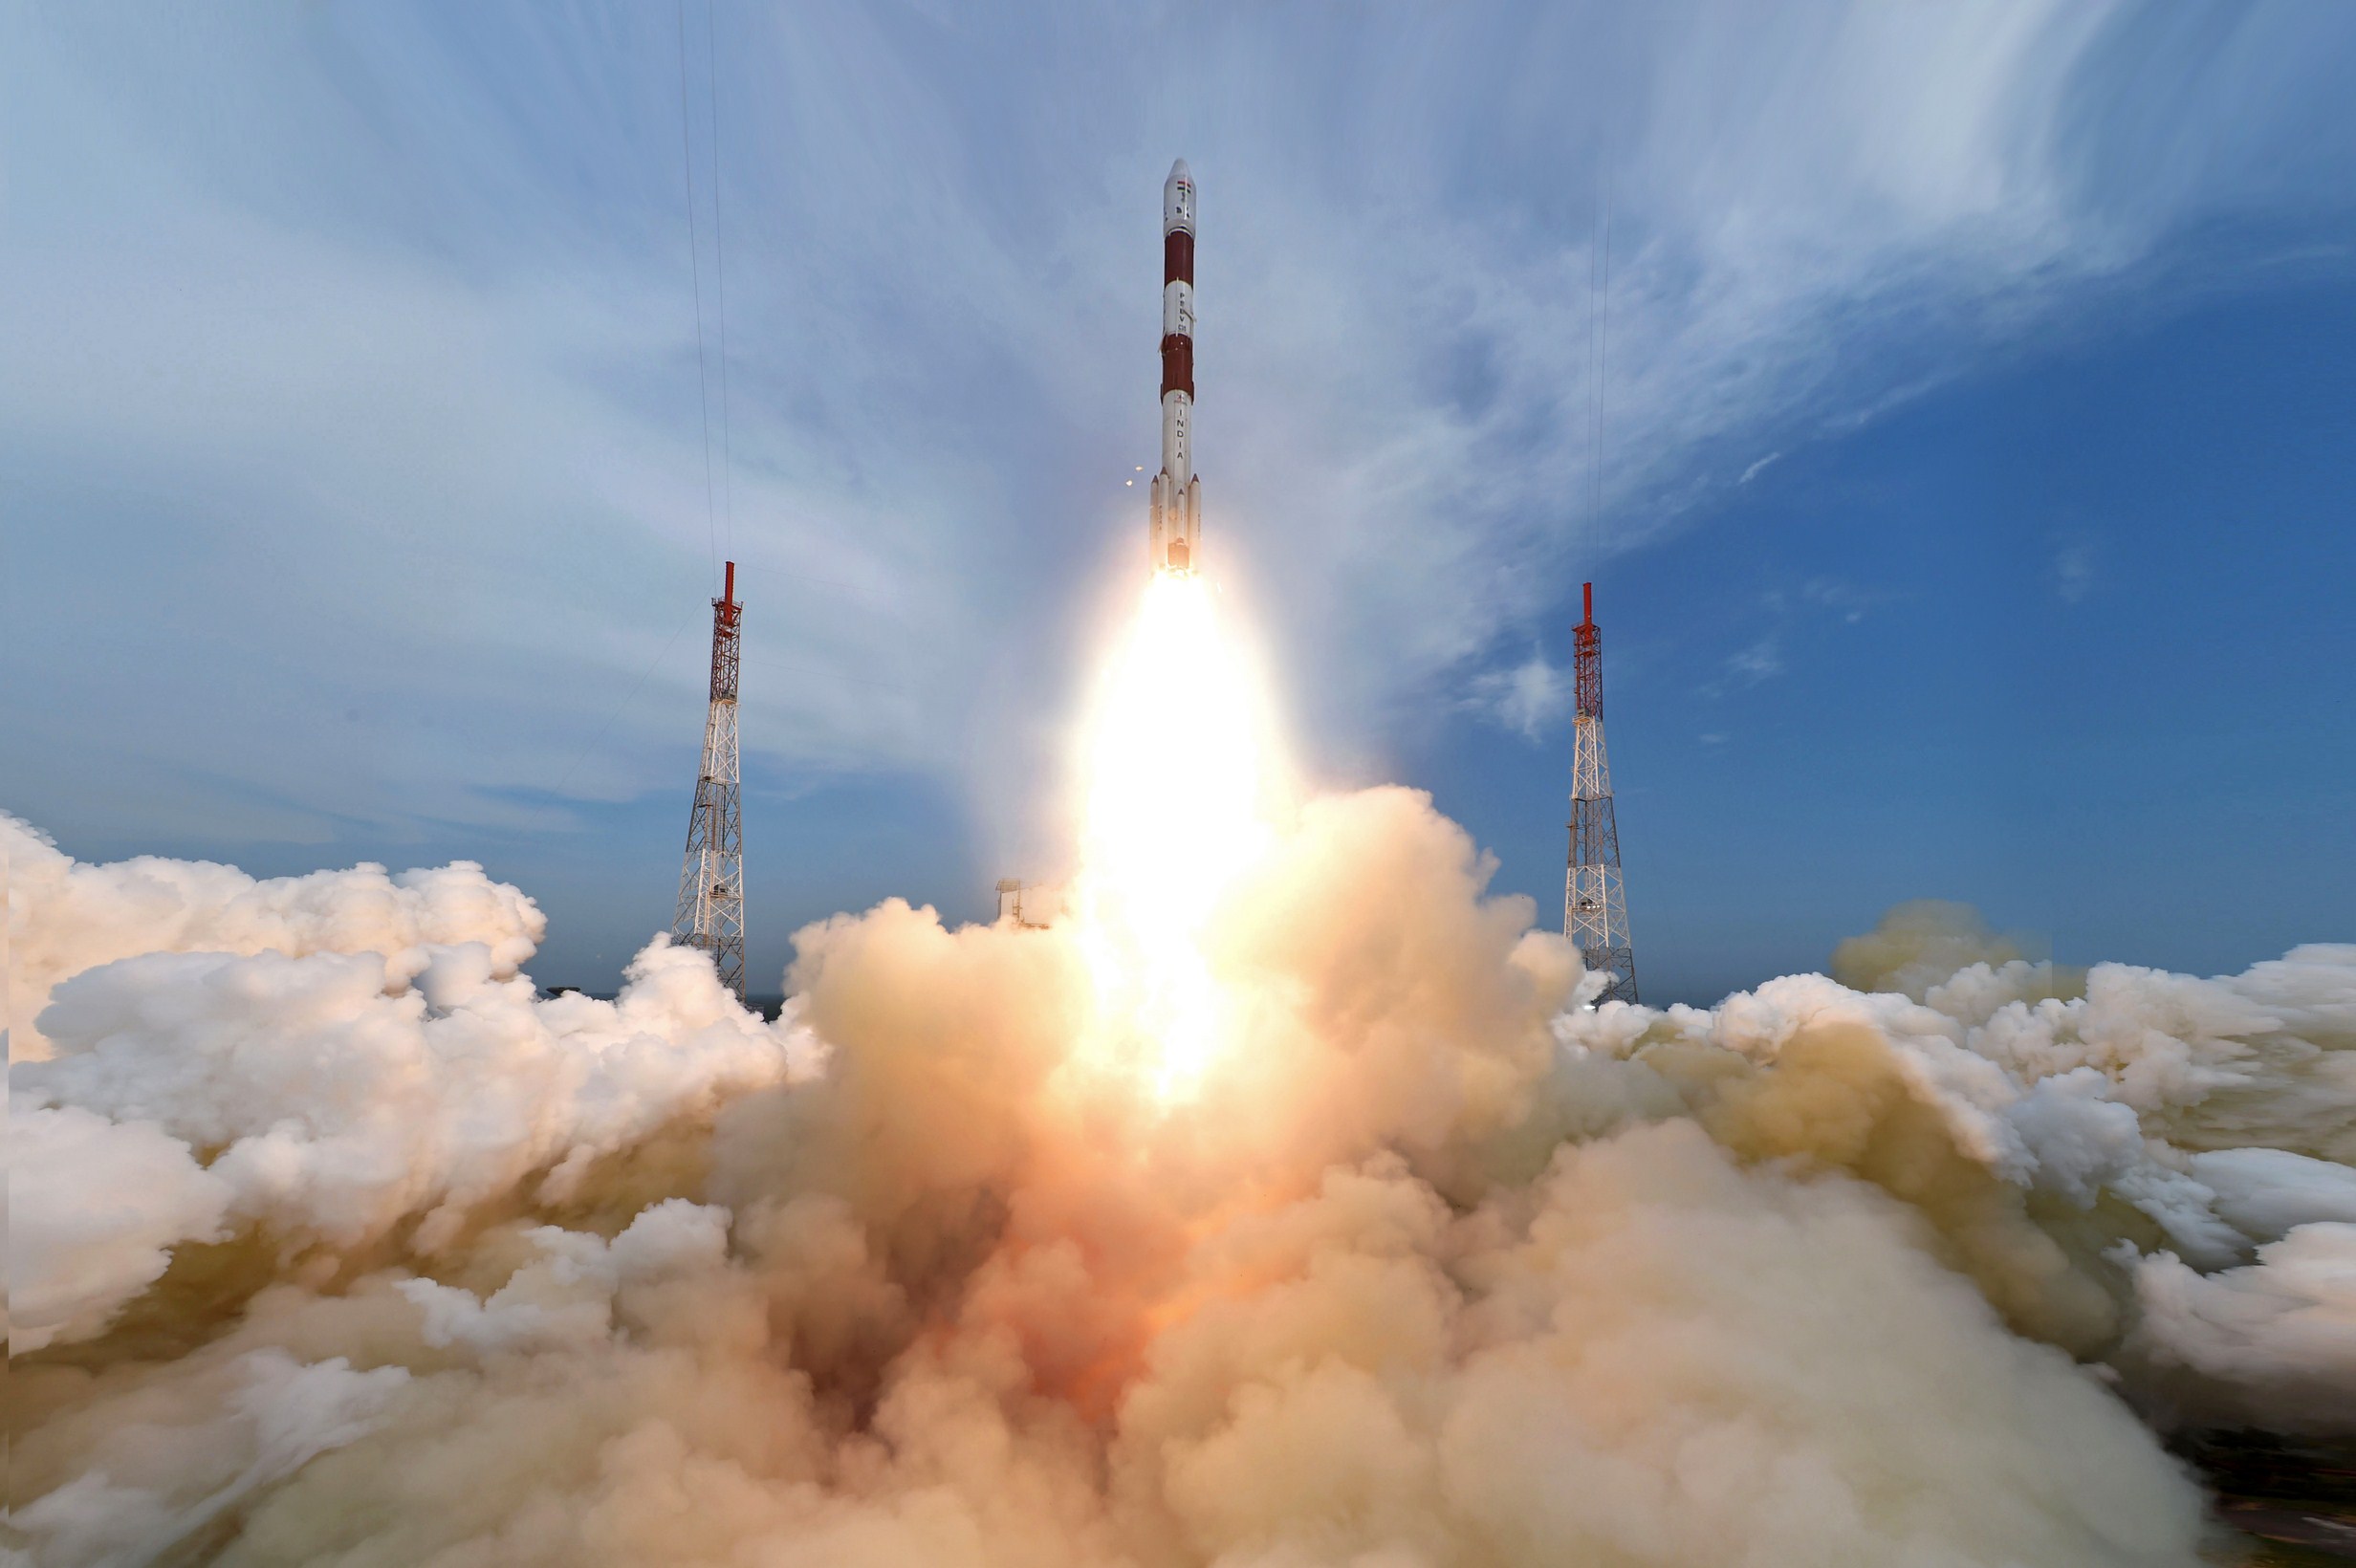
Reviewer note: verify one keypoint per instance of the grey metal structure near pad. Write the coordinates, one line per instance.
(711, 880)
(1595, 907)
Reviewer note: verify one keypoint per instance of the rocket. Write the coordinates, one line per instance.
(1175, 535)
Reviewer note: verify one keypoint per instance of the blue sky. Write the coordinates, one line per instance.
(1973, 519)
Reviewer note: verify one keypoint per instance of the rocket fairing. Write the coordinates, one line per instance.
(1175, 535)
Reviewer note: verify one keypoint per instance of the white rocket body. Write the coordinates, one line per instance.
(1175, 535)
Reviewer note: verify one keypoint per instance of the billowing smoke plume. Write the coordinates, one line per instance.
(2140, 1167)
(358, 1062)
(370, 1255)
(65, 916)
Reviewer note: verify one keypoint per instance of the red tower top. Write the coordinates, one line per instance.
(725, 632)
(1587, 647)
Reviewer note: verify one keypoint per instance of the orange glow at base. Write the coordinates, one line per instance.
(1178, 765)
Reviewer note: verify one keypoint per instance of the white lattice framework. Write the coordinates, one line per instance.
(711, 876)
(1595, 909)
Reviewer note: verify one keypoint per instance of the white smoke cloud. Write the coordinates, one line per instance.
(2267, 1193)
(185, 1460)
(326, 1089)
(94, 1208)
(2270, 1344)
(1434, 1266)
(565, 1297)
(1525, 698)
(2222, 1111)
(66, 916)
(339, 1101)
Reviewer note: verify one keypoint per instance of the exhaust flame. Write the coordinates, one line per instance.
(1178, 803)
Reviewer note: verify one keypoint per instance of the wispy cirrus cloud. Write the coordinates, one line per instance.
(1527, 699)
(364, 343)
(1799, 612)
(2074, 570)
(1759, 661)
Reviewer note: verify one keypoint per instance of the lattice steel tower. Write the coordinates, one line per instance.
(712, 883)
(1595, 907)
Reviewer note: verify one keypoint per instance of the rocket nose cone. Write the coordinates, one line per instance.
(1178, 200)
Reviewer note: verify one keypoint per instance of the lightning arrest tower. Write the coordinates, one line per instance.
(712, 883)
(1595, 907)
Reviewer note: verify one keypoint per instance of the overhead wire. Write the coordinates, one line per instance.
(719, 268)
(714, 487)
(1599, 341)
(703, 379)
(695, 270)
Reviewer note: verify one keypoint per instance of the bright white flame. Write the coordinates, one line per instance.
(1179, 775)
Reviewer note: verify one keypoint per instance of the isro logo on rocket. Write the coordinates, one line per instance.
(1175, 535)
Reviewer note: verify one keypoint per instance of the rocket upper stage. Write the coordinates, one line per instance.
(1178, 283)
(1175, 535)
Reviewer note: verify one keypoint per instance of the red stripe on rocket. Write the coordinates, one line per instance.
(1176, 533)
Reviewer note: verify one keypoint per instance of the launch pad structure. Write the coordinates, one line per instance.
(711, 878)
(1595, 910)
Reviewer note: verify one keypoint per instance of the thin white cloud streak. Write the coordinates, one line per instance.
(355, 483)
(2074, 570)
(1527, 699)
(1761, 661)
(1799, 613)
(415, 331)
